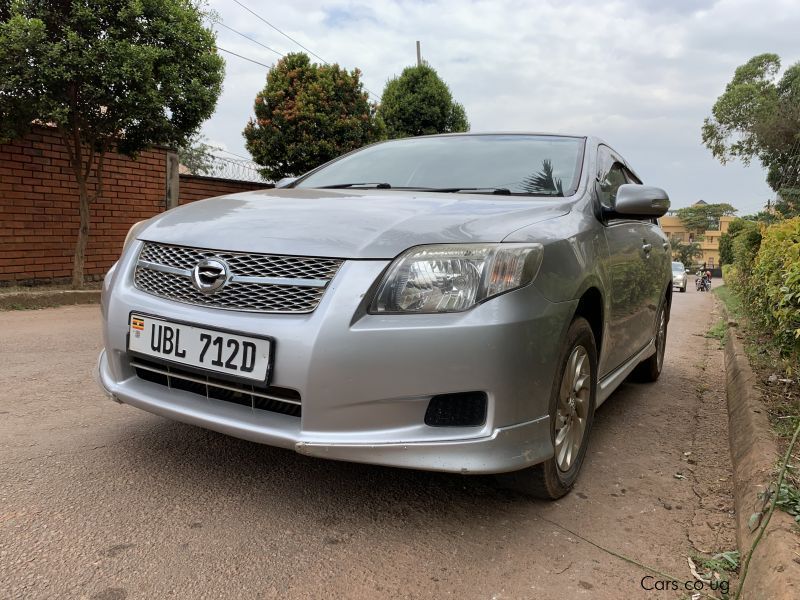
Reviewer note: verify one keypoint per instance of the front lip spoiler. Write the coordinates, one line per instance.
(506, 449)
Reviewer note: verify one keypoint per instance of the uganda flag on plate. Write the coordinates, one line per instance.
(137, 324)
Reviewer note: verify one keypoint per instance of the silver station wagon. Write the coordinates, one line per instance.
(453, 303)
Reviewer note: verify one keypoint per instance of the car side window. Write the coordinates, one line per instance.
(610, 175)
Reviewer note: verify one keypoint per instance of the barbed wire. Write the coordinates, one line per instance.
(239, 169)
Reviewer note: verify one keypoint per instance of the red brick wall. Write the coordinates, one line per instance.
(193, 187)
(39, 207)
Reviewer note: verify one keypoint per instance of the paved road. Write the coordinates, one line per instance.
(106, 502)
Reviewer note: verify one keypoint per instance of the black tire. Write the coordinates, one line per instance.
(649, 369)
(683, 290)
(547, 480)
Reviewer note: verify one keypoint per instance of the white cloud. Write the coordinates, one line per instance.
(643, 75)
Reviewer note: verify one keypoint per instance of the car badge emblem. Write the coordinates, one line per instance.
(210, 275)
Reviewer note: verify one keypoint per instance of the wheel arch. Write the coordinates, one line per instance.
(591, 307)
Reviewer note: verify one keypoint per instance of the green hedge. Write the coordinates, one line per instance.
(766, 276)
(773, 293)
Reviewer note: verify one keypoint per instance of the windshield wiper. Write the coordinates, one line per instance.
(375, 184)
(491, 190)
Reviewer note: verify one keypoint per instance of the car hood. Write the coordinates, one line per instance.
(346, 223)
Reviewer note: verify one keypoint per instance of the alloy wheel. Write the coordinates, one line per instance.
(573, 408)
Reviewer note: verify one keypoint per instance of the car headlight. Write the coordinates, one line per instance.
(445, 278)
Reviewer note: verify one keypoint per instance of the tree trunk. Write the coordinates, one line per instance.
(83, 164)
(83, 236)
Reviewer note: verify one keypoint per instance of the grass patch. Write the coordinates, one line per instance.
(718, 331)
(732, 303)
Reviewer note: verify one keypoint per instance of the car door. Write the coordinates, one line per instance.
(658, 263)
(626, 269)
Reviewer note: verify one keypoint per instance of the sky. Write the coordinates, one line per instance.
(641, 74)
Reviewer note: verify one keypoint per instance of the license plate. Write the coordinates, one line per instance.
(209, 349)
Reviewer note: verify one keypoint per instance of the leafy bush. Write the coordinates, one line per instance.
(728, 274)
(773, 290)
(308, 114)
(419, 102)
(746, 242)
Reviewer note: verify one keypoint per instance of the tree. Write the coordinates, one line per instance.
(726, 248)
(308, 114)
(122, 75)
(420, 103)
(684, 252)
(196, 155)
(758, 116)
(700, 217)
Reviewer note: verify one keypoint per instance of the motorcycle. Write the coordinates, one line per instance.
(702, 283)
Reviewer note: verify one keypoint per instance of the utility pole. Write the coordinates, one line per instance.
(419, 55)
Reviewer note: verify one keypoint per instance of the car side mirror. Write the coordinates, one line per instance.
(687, 270)
(641, 201)
(285, 182)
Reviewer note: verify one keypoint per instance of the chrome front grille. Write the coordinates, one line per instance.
(256, 282)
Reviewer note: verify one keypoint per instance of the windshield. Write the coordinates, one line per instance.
(518, 164)
(676, 266)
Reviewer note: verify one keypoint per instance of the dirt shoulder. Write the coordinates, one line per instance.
(773, 569)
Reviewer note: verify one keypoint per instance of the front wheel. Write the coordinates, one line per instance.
(683, 289)
(572, 401)
(650, 368)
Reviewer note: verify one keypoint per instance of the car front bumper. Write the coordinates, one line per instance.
(679, 282)
(366, 380)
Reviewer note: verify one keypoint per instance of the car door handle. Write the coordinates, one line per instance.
(647, 248)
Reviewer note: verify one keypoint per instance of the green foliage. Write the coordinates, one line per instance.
(129, 73)
(196, 155)
(122, 75)
(765, 217)
(749, 97)
(773, 287)
(420, 103)
(723, 562)
(787, 204)
(748, 247)
(746, 243)
(718, 330)
(730, 299)
(685, 252)
(308, 114)
(700, 217)
(725, 249)
(759, 117)
(789, 500)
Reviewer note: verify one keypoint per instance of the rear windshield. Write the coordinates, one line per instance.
(522, 164)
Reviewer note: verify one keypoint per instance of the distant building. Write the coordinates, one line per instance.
(709, 244)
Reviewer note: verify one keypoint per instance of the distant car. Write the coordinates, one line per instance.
(679, 276)
(454, 303)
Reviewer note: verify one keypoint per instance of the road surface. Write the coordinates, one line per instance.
(106, 502)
